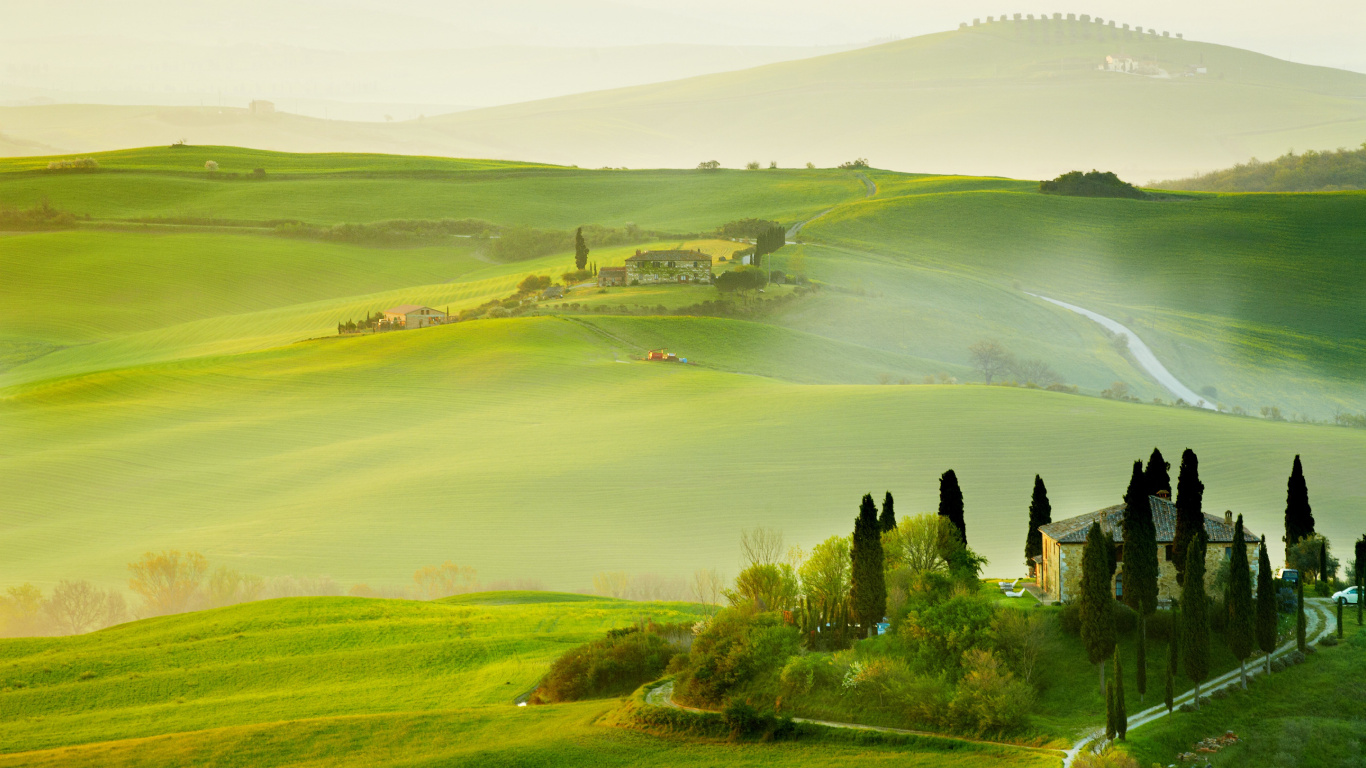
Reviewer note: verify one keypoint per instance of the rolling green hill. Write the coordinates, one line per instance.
(170, 366)
(349, 681)
(936, 102)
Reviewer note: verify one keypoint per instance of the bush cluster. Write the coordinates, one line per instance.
(614, 665)
(1093, 184)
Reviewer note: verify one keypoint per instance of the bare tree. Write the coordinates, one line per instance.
(21, 612)
(438, 581)
(612, 583)
(761, 546)
(229, 587)
(167, 581)
(707, 585)
(76, 607)
(990, 359)
(1036, 372)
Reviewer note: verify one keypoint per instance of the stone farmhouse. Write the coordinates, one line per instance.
(414, 316)
(667, 267)
(1058, 569)
(611, 276)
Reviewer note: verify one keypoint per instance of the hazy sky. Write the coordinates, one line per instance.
(196, 51)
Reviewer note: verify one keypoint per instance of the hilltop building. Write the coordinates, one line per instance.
(414, 316)
(261, 107)
(611, 276)
(667, 267)
(1058, 569)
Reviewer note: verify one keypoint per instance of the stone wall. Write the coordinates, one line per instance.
(1066, 584)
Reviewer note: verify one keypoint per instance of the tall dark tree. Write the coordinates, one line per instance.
(1121, 711)
(1301, 625)
(1140, 564)
(1173, 643)
(1360, 574)
(1190, 516)
(1266, 606)
(1040, 513)
(887, 522)
(1096, 604)
(1110, 713)
(1241, 630)
(951, 504)
(868, 588)
(1324, 575)
(580, 250)
(1299, 518)
(1156, 474)
(1195, 616)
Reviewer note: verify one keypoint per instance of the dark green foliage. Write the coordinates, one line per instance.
(1157, 474)
(1095, 603)
(1141, 660)
(1190, 518)
(396, 232)
(1110, 713)
(1300, 620)
(868, 587)
(1140, 545)
(1040, 513)
(1093, 184)
(951, 504)
(612, 666)
(1265, 625)
(741, 279)
(850, 165)
(1121, 711)
(40, 216)
(1324, 573)
(747, 229)
(746, 722)
(1309, 172)
(1299, 518)
(887, 521)
(1194, 613)
(942, 630)
(580, 250)
(738, 648)
(1240, 633)
(1173, 659)
(769, 240)
(1359, 572)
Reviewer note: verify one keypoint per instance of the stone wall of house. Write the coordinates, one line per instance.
(645, 272)
(1068, 578)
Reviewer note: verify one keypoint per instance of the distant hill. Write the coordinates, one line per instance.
(1335, 171)
(1026, 99)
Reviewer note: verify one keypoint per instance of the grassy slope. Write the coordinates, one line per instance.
(1310, 717)
(347, 681)
(365, 458)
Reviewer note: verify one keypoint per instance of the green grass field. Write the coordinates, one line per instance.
(349, 681)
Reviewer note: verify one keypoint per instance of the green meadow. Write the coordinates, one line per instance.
(191, 377)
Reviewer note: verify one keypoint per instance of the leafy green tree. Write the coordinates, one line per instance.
(765, 587)
(1040, 513)
(1195, 616)
(825, 574)
(951, 504)
(1266, 606)
(580, 250)
(868, 590)
(1121, 712)
(1095, 603)
(1140, 563)
(1190, 517)
(1299, 517)
(1157, 475)
(1240, 633)
(1313, 557)
(887, 521)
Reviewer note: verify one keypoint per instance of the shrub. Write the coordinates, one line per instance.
(1070, 619)
(989, 698)
(1126, 618)
(1107, 759)
(1277, 665)
(1160, 626)
(1093, 184)
(78, 163)
(1219, 693)
(807, 672)
(1294, 657)
(737, 648)
(611, 666)
(942, 632)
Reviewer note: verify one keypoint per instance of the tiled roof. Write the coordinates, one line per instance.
(1073, 530)
(670, 256)
(611, 269)
(404, 309)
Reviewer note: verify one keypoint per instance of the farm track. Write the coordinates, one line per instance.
(1320, 623)
(869, 185)
(662, 696)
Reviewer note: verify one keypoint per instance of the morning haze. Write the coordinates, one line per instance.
(646, 382)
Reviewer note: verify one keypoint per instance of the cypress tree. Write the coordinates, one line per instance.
(1095, 603)
(1360, 575)
(580, 250)
(1194, 616)
(1299, 518)
(1140, 563)
(1240, 631)
(1172, 645)
(1300, 626)
(868, 588)
(1110, 713)
(1323, 560)
(1190, 517)
(951, 504)
(888, 519)
(1266, 606)
(1121, 712)
(1156, 474)
(1040, 513)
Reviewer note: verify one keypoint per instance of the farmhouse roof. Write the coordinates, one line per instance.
(611, 269)
(1073, 530)
(406, 309)
(670, 256)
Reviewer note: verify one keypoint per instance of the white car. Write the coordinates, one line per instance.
(1349, 595)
